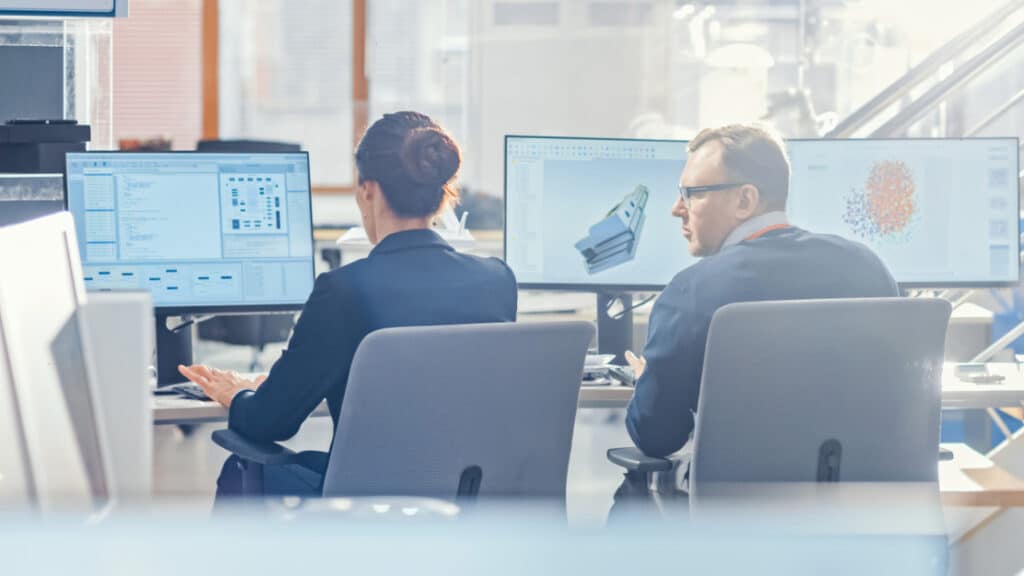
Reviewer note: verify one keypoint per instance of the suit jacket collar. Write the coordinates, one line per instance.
(410, 240)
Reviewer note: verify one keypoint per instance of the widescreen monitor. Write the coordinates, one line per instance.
(594, 214)
(939, 212)
(203, 232)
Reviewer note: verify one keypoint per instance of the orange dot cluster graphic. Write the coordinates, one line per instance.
(887, 205)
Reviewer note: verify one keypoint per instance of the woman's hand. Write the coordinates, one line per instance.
(220, 385)
(637, 363)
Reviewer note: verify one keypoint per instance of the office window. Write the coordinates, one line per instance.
(417, 59)
(286, 74)
(157, 71)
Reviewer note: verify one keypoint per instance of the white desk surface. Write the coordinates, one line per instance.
(971, 479)
(971, 313)
(955, 395)
(178, 410)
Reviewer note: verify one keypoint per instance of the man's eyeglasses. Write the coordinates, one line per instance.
(687, 192)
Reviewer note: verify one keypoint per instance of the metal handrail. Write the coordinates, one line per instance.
(995, 115)
(960, 76)
(862, 116)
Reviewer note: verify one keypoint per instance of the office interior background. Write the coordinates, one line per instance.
(166, 74)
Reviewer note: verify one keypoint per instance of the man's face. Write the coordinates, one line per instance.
(708, 217)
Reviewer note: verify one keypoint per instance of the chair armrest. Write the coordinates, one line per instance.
(634, 460)
(269, 454)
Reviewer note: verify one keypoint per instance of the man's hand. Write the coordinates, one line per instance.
(219, 385)
(637, 363)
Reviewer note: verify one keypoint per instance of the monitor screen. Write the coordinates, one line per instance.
(585, 213)
(938, 212)
(592, 212)
(203, 232)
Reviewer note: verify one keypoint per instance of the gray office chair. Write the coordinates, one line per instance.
(451, 412)
(816, 391)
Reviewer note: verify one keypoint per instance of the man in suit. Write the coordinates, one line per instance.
(732, 205)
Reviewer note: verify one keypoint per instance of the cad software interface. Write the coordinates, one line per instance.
(597, 211)
(593, 211)
(196, 229)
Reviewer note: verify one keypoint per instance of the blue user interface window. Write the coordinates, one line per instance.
(198, 230)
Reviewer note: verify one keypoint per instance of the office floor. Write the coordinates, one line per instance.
(187, 463)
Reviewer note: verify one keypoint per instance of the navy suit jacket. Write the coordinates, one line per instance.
(411, 278)
(784, 264)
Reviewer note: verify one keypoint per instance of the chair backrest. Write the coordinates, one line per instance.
(821, 390)
(247, 146)
(248, 329)
(442, 410)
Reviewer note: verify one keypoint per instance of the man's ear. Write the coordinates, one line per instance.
(366, 190)
(749, 201)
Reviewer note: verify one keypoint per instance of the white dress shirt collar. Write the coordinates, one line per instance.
(755, 225)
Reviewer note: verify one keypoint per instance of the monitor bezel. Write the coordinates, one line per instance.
(619, 288)
(179, 310)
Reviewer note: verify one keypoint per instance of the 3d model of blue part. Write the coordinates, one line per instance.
(614, 239)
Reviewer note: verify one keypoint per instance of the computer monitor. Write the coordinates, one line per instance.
(203, 232)
(940, 212)
(593, 214)
(41, 299)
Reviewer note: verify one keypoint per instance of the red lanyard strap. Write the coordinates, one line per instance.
(764, 231)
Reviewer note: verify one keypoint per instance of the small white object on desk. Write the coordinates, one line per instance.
(453, 231)
(960, 394)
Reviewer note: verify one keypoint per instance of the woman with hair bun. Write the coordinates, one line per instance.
(412, 277)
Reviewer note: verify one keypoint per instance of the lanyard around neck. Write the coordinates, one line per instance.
(764, 231)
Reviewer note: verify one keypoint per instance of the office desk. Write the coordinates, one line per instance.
(959, 395)
(955, 395)
(177, 410)
(971, 479)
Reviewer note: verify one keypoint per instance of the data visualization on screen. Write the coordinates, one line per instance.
(585, 212)
(938, 212)
(591, 213)
(199, 230)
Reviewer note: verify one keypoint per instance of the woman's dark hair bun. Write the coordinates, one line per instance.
(413, 159)
(429, 156)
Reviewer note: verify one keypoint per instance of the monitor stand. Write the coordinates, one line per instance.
(614, 335)
(173, 347)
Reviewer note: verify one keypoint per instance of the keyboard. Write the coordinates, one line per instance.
(192, 390)
(188, 389)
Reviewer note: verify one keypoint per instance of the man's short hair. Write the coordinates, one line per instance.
(753, 155)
